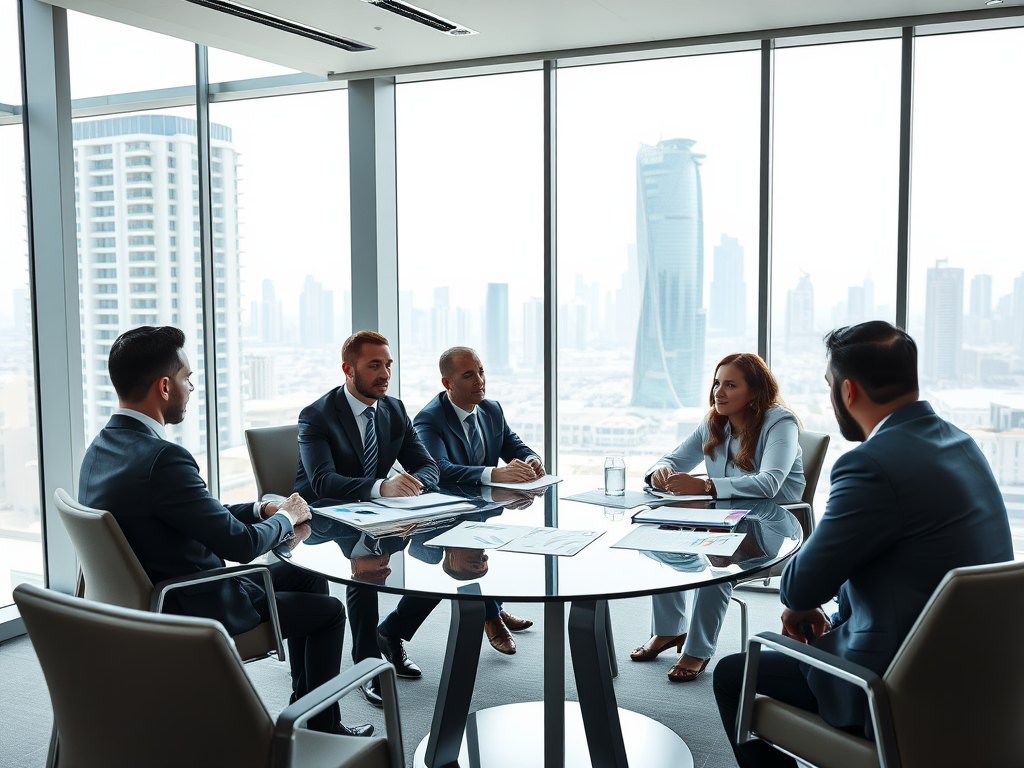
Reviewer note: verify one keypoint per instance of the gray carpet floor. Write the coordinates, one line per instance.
(688, 709)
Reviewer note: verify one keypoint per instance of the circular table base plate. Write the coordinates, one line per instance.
(512, 736)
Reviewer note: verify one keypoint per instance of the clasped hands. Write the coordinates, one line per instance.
(678, 483)
(517, 471)
(795, 624)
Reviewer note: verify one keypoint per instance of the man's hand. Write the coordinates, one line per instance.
(515, 472)
(295, 507)
(677, 482)
(794, 622)
(537, 466)
(302, 533)
(402, 484)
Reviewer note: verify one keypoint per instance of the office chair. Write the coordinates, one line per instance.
(274, 452)
(136, 688)
(922, 715)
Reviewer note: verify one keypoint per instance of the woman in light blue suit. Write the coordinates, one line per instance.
(749, 444)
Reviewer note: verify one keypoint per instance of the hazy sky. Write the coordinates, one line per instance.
(470, 163)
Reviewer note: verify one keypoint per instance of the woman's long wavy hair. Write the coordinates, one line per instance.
(766, 396)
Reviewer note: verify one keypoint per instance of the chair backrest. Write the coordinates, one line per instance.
(961, 671)
(274, 452)
(112, 572)
(137, 688)
(813, 445)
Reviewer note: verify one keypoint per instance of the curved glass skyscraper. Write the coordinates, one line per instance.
(669, 359)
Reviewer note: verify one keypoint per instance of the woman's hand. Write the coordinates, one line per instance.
(682, 484)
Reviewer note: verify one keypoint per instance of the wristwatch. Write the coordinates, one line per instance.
(709, 487)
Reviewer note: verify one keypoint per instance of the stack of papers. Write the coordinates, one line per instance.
(515, 538)
(397, 516)
(697, 518)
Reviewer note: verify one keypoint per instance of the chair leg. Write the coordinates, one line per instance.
(743, 622)
(611, 640)
(51, 753)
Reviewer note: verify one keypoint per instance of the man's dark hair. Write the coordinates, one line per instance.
(141, 356)
(877, 355)
(447, 361)
(354, 344)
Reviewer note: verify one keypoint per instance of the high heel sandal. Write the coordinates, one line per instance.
(650, 654)
(678, 674)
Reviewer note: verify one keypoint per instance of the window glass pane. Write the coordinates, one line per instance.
(290, 281)
(657, 249)
(226, 66)
(966, 270)
(836, 187)
(107, 57)
(21, 551)
(10, 57)
(470, 237)
(137, 192)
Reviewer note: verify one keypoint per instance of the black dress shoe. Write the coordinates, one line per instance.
(354, 730)
(394, 652)
(371, 692)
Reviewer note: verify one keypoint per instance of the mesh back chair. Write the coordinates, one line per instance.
(111, 573)
(170, 691)
(274, 452)
(923, 716)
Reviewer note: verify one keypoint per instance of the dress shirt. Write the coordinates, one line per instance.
(358, 406)
(878, 426)
(161, 431)
(485, 478)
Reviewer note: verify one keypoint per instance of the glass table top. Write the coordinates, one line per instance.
(408, 565)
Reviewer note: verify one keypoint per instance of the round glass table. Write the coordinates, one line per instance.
(594, 732)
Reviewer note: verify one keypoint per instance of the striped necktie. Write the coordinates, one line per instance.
(475, 443)
(370, 444)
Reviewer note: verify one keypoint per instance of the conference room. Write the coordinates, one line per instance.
(603, 200)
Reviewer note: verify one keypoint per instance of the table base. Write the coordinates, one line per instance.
(512, 736)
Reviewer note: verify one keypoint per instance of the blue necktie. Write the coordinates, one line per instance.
(474, 439)
(370, 444)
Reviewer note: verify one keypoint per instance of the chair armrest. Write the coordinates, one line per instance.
(862, 677)
(160, 591)
(325, 695)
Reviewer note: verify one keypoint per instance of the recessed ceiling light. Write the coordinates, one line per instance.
(421, 16)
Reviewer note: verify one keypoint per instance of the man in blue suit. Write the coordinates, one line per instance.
(153, 489)
(467, 434)
(916, 499)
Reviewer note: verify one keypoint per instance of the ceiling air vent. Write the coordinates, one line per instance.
(420, 16)
(285, 25)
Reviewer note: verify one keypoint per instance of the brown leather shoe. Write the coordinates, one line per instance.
(499, 636)
(515, 623)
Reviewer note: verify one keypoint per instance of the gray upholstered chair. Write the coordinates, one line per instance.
(274, 452)
(111, 573)
(926, 711)
(136, 688)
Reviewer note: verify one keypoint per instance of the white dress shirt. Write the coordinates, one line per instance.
(358, 407)
(485, 478)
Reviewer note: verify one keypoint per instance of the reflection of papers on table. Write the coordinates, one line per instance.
(551, 541)
(416, 502)
(478, 535)
(722, 518)
(381, 521)
(532, 485)
(656, 539)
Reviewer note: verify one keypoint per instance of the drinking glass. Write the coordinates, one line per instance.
(614, 476)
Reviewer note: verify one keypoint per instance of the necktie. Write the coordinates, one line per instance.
(475, 443)
(370, 444)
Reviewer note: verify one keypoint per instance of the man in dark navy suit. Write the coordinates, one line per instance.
(153, 489)
(467, 435)
(916, 499)
(349, 440)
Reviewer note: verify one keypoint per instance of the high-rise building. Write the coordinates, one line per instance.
(1018, 314)
(22, 314)
(728, 310)
(440, 320)
(496, 311)
(137, 187)
(262, 377)
(316, 314)
(800, 314)
(533, 333)
(943, 322)
(668, 365)
(267, 316)
(979, 317)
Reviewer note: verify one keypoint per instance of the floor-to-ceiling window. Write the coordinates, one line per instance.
(967, 244)
(657, 249)
(470, 237)
(834, 197)
(21, 551)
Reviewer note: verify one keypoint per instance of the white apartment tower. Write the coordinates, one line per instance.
(137, 194)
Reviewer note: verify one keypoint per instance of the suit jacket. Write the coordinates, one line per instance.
(915, 501)
(331, 449)
(444, 438)
(154, 491)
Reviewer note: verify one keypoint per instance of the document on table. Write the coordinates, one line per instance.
(627, 500)
(377, 520)
(470, 535)
(674, 497)
(722, 518)
(551, 541)
(422, 501)
(532, 485)
(653, 538)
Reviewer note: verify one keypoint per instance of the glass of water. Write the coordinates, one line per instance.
(614, 476)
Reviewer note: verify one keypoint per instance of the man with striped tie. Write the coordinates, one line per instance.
(349, 439)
